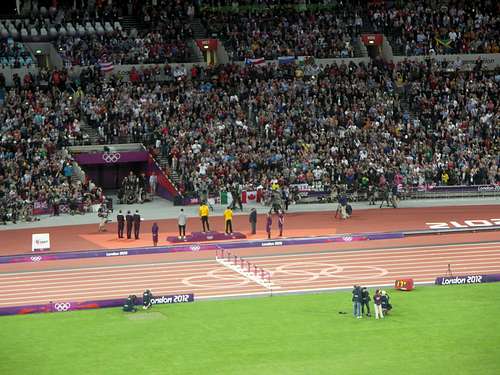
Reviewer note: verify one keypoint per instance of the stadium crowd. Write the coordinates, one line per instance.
(38, 118)
(346, 125)
(424, 27)
(361, 126)
(153, 47)
(270, 28)
(163, 30)
(283, 32)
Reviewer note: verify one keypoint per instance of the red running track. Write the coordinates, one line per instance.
(304, 271)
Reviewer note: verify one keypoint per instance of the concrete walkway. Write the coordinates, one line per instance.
(162, 209)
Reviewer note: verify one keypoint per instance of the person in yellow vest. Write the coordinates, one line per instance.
(228, 218)
(204, 216)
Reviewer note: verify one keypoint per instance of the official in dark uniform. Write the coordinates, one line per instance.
(129, 219)
(365, 301)
(253, 220)
(121, 223)
(137, 224)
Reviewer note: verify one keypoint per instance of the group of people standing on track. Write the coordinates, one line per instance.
(228, 220)
(361, 301)
(131, 221)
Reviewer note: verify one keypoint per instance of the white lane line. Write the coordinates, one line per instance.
(187, 264)
(159, 290)
(304, 263)
(333, 251)
(269, 260)
(202, 296)
(312, 290)
(281, 278)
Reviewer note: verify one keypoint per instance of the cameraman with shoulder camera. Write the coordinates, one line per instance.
(103, 216)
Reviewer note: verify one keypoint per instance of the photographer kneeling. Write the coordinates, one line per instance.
(129, 305)
(386, 303)
(147, 297)
(343, 206)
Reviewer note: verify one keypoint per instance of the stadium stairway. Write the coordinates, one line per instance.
(199, 31)
(195, 52)
(164, 164)
(360, 49)
(93, 134)
(175, 178)
(131, 22)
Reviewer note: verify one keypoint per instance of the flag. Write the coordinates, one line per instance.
(255, 61)
(105, 65)
(226, 198)
(286, 59)
(445, 43)
(249, 197)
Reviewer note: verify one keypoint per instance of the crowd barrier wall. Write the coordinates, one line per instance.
(63, 306)
(490, 62)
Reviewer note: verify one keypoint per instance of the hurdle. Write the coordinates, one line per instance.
(245, 268)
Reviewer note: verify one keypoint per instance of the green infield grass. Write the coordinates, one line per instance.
(432, 330)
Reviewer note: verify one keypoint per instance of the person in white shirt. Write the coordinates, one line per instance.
(153, 180)
(318, 173)
(181, 221)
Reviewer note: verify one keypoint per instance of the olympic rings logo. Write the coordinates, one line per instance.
(111, 157)
(62, 306)
(195, 247)
(36, 259)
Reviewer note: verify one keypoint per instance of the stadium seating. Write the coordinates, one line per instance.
(352, 122)
(349, 124)
(36, 124)
(416, 28)
(281, 32)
